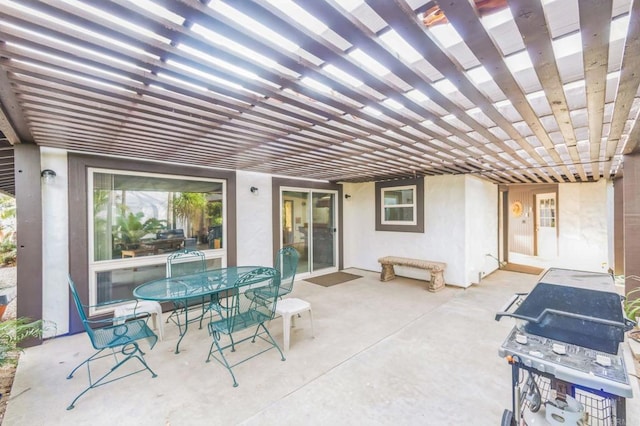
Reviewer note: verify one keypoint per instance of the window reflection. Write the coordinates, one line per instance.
(143, 215)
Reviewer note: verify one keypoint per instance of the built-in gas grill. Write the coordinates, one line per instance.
(567, 366)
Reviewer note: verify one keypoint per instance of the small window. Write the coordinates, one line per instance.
(400, 205)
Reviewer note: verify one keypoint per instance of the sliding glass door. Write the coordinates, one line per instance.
(309, 224)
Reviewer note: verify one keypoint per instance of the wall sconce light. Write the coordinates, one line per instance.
(254, 190)
(48, 175)
(347, 196)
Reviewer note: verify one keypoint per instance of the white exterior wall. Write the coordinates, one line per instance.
(55, 244)
(461, 227)
(254, 219)
(445, 234)
(481, 228)
(450, 202)
(584, 226)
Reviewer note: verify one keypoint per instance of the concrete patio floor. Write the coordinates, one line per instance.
(383, 354)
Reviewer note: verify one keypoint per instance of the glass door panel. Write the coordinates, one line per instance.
(308, 224)
(295, 225)
(323, 230)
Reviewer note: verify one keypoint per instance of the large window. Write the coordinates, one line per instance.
(137, 219)
(400, 205)
(143, 215)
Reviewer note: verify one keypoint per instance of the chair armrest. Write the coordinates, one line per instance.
(110, 302)
(114, 302)
(133, 315)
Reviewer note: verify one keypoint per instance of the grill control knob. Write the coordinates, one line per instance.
(604, 361)
(559, 349)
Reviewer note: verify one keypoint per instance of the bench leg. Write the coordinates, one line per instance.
(387, 272)
(437, 281)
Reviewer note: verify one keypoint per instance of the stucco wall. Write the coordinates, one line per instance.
(450, 201)
(55, 244)
(585, 230)
(461, 227)
(481, 228)
(255, 237)
(584, 222)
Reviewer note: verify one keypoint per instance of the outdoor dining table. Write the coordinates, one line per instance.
(185, 287)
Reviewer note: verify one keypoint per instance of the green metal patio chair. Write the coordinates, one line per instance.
(238, 312)
(286, 262)
(186, 262)
(119, 341)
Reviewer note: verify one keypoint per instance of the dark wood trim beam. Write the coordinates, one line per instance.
(29, 234)
(12, 122)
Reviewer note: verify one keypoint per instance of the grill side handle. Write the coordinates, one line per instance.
(629, 324)
(626, 323)
(504, 311)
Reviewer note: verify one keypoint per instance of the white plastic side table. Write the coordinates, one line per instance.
(143, 307)
(287, 308)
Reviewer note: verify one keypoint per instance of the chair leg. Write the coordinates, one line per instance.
(86, 361)
(271, 339)
(224, 361)
(135, 353)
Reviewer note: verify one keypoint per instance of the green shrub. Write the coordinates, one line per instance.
(8, 250)
(632, 304)
(14, 331)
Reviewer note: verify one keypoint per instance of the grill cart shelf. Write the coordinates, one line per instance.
(567, 367)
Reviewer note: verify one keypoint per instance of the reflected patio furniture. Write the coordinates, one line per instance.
(214, 237)
(119, 341)
(207, 284)
(141, 251)
(180, 263)
(167, 240)
(286, 262)
(238, 312)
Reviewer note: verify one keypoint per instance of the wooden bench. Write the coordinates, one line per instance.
(436, 269)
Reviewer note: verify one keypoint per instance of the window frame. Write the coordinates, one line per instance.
(78, 227)
(413, 206)
(417, 225)
(97, 266)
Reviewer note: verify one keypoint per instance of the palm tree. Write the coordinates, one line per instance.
(188, 205)
(130, 228)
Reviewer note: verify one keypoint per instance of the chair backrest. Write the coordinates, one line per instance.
(80, 308)
(286, 263)
(243, 311)
(185, 262)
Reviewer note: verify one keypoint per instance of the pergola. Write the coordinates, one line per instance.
(514, 91)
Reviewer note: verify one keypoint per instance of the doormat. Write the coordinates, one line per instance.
(332, 279)
(514, 267)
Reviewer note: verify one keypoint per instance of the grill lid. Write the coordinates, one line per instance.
(576, 315)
